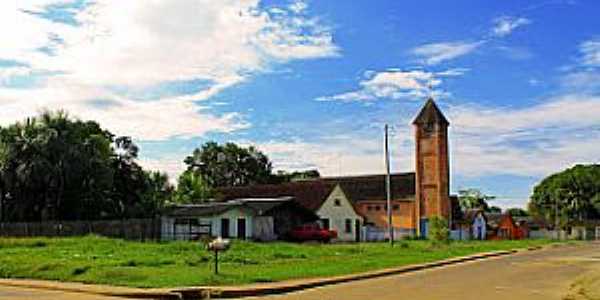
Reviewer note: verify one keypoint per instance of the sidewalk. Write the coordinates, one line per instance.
(103, 290)
(245, 290)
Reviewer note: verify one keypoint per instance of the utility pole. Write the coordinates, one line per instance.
(556, 219)
(387, 187)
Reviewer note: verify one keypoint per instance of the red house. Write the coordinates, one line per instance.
(504, 227)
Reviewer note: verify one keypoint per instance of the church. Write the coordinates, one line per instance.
(349, 204)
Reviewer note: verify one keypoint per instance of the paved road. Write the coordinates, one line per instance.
(11, 293)
(540, 275)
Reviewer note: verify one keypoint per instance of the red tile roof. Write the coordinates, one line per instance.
(372, 187)
(310, 194)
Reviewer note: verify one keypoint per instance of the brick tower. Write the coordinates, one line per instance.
(432, 167)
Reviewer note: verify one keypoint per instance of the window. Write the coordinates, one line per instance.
(377, 207)
(337, 202)
(325, 223)
(369, 208)
(348, 226)
(396, 207)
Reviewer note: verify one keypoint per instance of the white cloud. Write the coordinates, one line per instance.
(531, 141)
(341, 154)
(6, 74)
(395, 84)
(590, 51)
(148, 120)
(173, 166)
(298, 6)
(138, 45)
(505, 25)
(484, 141)
(436, 53)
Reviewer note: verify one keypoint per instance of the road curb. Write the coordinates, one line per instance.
(249, 290)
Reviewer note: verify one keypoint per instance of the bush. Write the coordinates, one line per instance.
(438, 230)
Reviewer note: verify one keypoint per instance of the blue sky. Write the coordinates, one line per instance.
(311, 83)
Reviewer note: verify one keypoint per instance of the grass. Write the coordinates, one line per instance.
(101, 260)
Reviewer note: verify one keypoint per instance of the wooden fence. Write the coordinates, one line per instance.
(131, 229)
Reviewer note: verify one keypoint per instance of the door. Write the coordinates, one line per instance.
(224, 228)
(241, 228)
(325, 223)
(424, 230)
(357, 230)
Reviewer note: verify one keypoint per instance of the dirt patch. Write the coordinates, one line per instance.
(586, 287)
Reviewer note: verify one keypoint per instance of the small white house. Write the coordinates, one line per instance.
(337, 213)
(259, 219)
(326, 200)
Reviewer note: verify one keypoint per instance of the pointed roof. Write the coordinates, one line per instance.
(430, 113)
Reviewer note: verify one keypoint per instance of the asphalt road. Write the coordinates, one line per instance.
(534, 275)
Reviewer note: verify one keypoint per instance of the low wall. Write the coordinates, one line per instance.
(375, 234)
(131, 229)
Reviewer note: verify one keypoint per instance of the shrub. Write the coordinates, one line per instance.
(438, 230)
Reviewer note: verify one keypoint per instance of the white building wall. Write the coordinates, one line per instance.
(338, 215)
(167, 223)
(234, 215)
(479, 224)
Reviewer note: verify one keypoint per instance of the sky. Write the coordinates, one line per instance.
(312, 83)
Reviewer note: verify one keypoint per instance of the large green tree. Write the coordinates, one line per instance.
(475, 199)
(53, 167)
(571, 195)
(230, 165)
(192, 188)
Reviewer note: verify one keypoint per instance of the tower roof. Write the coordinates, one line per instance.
(430, 113)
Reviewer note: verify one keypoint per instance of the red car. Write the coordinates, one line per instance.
(312, 232)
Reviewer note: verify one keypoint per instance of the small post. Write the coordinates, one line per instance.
(216, 262)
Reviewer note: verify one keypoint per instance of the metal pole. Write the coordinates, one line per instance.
(387, 188)
(216, 262)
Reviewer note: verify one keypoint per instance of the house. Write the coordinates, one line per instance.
(479, 225)
(503, 227)
(361, 200)
(245, 218)
(326, 200)
(473, 225)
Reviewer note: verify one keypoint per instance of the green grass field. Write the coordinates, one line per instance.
(110, 261)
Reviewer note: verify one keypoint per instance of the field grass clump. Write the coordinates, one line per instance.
(94, 259)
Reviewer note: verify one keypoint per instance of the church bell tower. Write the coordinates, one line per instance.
(432, 166)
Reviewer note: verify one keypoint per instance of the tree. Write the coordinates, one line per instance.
(229, 165)
(517, 212)
(474, 199)
(494, 209)
(192, 188)
(157, 193)
(570, 195)
(53, 167)
(283, 176)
